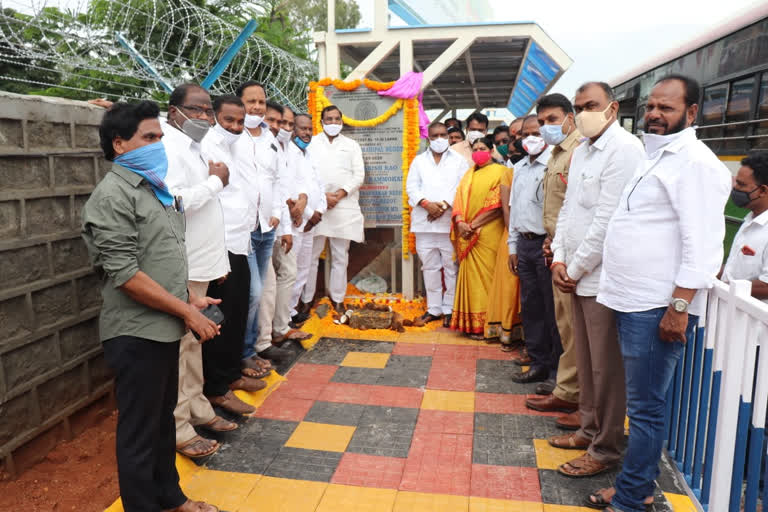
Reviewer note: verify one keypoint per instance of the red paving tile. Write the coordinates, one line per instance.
(346, 393)
(312, 372)
(369, 471)
(438, 463)
(365, 394)
(494, 352)
(452, 374)
(305, 389)
(505, 483)
(502, 403)
(445, 422)
(413, 349)
(455, 352)
(283, 407)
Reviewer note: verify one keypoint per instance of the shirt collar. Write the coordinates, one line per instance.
(178, 137)
(128, 175)
(606, 137)
(676, 143)
(761, 219)
(542, 158)
(571, 141)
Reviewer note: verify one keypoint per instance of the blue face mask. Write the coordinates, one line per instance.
(302, 145)
(553, 133)
(151, 163)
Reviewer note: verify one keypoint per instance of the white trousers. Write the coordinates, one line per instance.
(302, 245)
(436, 253)
(339, 255)
(275, 310)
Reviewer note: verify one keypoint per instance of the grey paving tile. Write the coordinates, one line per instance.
(335, 413)
(300, 464)
(384, 431)
(406, 371)
(496, 377)
(333, 350)
(252, 447)
(352, 375)
(374, 414)
(499, 450)
(511, 426)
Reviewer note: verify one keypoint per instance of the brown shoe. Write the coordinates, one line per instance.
(569, 421)
(232, 404)
(523, 359)
(194, 506)
(569, 442)
(248, 384)
(550, 403)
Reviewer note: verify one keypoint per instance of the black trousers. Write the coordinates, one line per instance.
(223, 354)
(146, 390)
(542, 340)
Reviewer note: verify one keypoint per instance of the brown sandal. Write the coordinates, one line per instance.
(189, 448)
(194, 506)
(583, 466)
(569, 442)
(219, 424)
(252, 373)
(247, 384)
(597, 500)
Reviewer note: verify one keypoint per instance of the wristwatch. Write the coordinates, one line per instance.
(679, 305)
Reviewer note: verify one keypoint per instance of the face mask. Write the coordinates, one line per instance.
(516, 158)
(503, 150)
(533, 145)
(439, 145)
(654, 142)
(518, 145)
(229, 137)
(302, 145)
(283, 136)
(592, 123)
(151, 163)
(553, 133)
(195, 129)
(332, 130)
(253, 121)
(741, 198)
(481, 157)
(473, 135)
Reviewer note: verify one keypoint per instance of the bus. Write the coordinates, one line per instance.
(731, 65)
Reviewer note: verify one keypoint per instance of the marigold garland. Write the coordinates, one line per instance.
(317, 101)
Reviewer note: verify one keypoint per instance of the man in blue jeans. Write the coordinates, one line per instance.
(663, 246)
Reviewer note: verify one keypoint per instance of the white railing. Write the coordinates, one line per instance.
(717, 402)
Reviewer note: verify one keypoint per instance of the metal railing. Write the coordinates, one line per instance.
(717, 402)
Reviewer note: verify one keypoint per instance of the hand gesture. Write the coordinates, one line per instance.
(220, 170)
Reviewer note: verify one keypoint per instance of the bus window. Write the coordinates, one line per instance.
(739, 110)
(762, 113)
(712, 110)
(628, 123)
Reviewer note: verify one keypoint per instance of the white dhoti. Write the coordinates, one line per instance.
(339, 255)
(436, 254)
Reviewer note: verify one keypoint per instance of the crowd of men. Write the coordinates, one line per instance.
(231, 203)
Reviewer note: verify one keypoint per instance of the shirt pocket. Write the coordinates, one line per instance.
(589, 191)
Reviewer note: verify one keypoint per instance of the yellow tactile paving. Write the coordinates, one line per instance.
(320, 436)
(549, 457)
(494, 505)
(423, 502)
(365, 360)
(680, 502)
(256, 398)
(221, 488)
(457, 401)
(283, 495)
(347, 498)
(565, 508)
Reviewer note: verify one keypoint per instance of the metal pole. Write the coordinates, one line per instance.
(144, 63)
(226, 59)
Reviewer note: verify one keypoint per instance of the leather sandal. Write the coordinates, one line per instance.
(584, 466)
(569, 442)
(253, 373)
(597, 500)
(194, 506)
(219, 424)
(257, 363)
(198, 443)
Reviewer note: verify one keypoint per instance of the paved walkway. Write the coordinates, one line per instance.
(431, 422)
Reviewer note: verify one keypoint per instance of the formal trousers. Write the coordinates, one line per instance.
(567, 383)
(302, 244)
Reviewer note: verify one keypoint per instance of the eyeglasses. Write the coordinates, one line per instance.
(194, 109)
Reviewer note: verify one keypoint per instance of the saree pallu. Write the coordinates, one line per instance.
(478, 192)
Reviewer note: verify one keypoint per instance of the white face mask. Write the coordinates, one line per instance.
(229, 137)
(332, 130)
(439, 145)
(252, 121)
(473, 135)
(654, 142)
(284, 136)
(534, 145)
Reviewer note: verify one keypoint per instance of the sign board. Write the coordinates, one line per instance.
(381, 196)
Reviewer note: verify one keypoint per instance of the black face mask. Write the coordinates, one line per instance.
(741, 198)
(519, 152)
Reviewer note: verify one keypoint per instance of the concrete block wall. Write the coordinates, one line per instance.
(51, 366)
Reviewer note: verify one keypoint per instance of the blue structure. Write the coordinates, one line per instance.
(535, 77)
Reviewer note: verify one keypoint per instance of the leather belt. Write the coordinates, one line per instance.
(531, 236)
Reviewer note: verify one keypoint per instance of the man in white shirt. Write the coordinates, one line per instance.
(431, 186)
(257, 152)
(198, 181)
(339, 161)
(748, 258)
(663, 246)
(221, 360)
(600, 168)
(312, 214)
(526, 237)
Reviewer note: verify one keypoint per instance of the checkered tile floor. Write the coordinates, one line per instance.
(427, 425)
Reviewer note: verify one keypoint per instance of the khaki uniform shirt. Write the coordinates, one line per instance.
(127, 229)
(556, 180)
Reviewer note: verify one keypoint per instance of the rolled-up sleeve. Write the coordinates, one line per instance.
(111, 235)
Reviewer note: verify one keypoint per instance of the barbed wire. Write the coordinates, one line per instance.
(181, 41)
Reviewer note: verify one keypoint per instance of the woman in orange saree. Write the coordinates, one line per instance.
(476, 230)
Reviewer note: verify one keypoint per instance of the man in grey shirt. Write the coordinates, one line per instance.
(134, 230)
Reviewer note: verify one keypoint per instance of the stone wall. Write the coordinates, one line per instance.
(51, 366)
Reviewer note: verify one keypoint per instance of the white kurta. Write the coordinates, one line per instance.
(340, 166)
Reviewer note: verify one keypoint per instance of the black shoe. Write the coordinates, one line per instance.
(546, 387)
(339, 307)
(447, 320)
(535, 374)
(276, 354)
(298, 319)
(428, 317)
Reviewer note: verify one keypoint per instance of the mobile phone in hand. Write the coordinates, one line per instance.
(212, 313)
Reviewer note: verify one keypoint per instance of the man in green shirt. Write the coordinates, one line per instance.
(134, 230)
